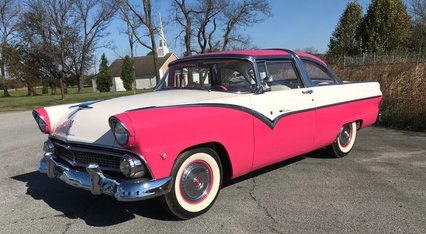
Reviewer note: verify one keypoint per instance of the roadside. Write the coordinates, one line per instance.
(18, 101)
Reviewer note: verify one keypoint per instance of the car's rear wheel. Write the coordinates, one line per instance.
(197, 179)
(345, 140)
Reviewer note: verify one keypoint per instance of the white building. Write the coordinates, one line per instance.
(144, 67)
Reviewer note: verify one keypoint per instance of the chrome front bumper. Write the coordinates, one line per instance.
(96, 182)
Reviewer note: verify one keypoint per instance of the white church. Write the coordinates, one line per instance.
(144, 67)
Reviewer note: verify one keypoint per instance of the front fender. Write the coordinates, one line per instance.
(161, 134)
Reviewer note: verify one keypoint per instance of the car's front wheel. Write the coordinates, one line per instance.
(345, 140)
(197, 179)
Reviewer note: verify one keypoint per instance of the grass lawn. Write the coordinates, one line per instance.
(19, 101)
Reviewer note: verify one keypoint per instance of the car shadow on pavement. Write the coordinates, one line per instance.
(103, 210)
(97, 211)
(320, 153)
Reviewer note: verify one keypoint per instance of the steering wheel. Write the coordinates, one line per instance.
(223, 87)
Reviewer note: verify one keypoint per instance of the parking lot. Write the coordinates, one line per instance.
(379, 188)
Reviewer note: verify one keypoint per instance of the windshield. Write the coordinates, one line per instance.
(216, 75)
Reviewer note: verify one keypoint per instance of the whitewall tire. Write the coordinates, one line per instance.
(197, 179)
(345, 140)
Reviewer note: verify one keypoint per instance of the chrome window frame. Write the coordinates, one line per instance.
(266, 60)
(250, 59)
(326, 69)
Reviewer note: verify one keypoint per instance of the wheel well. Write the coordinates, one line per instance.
(358, 124)
(223, 155)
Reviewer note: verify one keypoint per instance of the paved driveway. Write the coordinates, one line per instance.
(379, 188)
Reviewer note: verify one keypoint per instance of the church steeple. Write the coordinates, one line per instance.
(162, 46)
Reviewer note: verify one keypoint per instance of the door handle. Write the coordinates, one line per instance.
(309, 91)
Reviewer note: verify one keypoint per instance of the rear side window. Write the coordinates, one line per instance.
(283, 74)
(318, 74)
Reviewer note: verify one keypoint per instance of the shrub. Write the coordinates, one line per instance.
(103, 80)
(127, 73)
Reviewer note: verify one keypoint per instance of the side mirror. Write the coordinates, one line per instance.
(268, 81)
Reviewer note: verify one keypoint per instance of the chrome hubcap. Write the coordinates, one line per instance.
(345, 135)
(195, 182)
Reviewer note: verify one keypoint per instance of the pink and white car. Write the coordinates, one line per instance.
(213, 117)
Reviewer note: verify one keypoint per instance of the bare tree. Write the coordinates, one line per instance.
(94, 16)
(130, 20)
(242, 14)
(418, 11)
(27, 64)
(62, 19)
(35, 34)
(146, 21)
(9, 13)
(418, 27)
(210, 17)
(54, 23)
(207, 11)
(183, 16)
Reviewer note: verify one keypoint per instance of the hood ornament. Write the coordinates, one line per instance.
(85, 105)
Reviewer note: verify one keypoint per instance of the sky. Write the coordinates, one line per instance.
(294, 24)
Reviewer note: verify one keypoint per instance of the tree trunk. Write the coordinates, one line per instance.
(157, 72)
(31, 90)
(61, 85)
(147, 9)
(53, 86)
(5, 91)
(133, 66)
(188, 43)
(61, 80)
(80, 79)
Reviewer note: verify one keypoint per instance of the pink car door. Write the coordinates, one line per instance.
(285, 112)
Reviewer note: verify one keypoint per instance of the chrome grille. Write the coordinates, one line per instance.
(63, 152)
(82, 157)
(101, 160)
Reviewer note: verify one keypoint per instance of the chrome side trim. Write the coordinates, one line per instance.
(95, 181)
(269, 122)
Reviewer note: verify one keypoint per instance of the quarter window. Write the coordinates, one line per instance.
(318, 74)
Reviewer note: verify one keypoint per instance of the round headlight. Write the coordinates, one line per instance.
(132, 167)
(41, 124)
(42, 120)
(121, 134)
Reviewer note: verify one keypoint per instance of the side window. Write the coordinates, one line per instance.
(318, 74)
(283, 74)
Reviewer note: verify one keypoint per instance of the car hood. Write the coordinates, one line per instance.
(89, 123)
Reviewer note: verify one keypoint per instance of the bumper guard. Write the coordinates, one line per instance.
(96, 182)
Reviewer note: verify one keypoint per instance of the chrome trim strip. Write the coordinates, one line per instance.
(300, 67)
(270, 122)
(96, 182)
(86, 105)
(327, 68)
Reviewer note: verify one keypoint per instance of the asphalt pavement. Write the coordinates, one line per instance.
(379, 188)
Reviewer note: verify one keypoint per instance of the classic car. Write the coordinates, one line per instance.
(212, 117)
